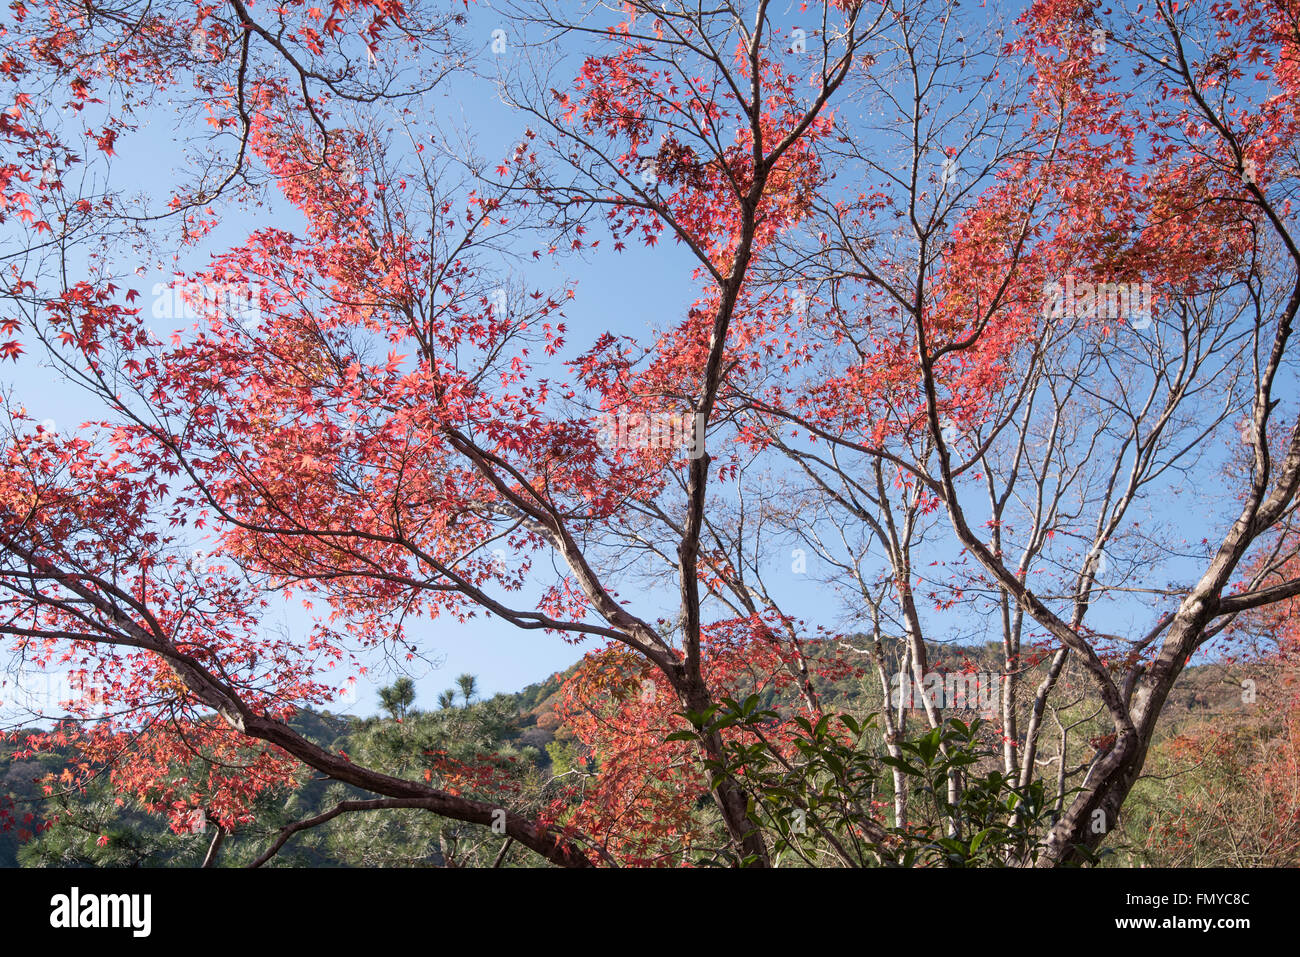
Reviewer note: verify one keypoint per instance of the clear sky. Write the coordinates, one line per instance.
(629, 293)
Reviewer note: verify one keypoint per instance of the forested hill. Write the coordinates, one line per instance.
(521, 732)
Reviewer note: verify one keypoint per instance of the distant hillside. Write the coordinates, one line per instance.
(527, 725)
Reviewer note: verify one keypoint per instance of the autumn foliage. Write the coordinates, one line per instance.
(866, 349)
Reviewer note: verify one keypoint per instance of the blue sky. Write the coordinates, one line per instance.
(629, 293)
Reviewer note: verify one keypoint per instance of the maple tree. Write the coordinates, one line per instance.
(874, 208)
